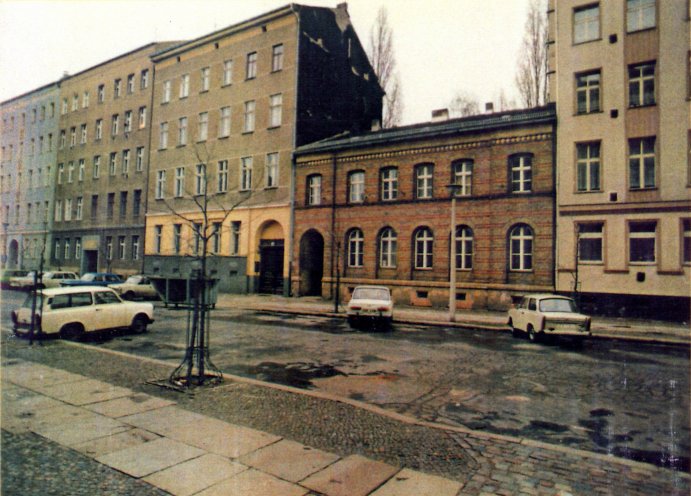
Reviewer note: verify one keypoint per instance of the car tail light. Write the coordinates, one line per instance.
(355, 307)
(382, 309)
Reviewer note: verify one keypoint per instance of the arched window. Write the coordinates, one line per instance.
(424, 248)
(464, 248)
(356, 187)
(521, 173)
(355, 245)
(389, 183)
(388, 247)
(521, 248)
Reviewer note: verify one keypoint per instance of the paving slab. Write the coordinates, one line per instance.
(20, 406)
(83, 392)
(147, 458)
(33, 375)
(254, 483)
(412, 483)
(115, 442)
(351, 476)
(87, 428)
(38, 419)
(289, 460)
(195, 475)
(162, 420)
(128, 405)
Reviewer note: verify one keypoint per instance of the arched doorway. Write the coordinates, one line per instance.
(271, 252)
(13, 254)
(311, 263)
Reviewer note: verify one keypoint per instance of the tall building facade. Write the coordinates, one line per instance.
(619, 74)
(27, 172)
(229, 109)
(375, 208)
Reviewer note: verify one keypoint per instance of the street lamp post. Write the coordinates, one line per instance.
(453, 190)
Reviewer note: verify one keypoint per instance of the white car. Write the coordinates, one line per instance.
(541, 315)
(71, 312)
(370, 304)
(51, 279)
(137, 286)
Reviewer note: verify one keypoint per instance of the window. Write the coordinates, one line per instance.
(73, 136)
(204, 77)
(314, 189)
(521, 167)
(94, 207)
(251, 68)
(521, 248)
(123, 204)
(56, 250)
(117, 87)
(130, 84)
(110, 206)
(101, 93)
(112, 163)
(463, 176)
(248, 125)
(82, 134)
(356, 187)
(464, 248)
(128, 121)
(158, 238)
(642, 242)
(135, 247)
(389, 183)
(640, 14)
(182, 131)
(58, 210)
(115, 121)
(137, 203)
(271, 170)
(62, 141)
(75, 104)
(199, 233)
(586, 23)
(109, 248)
(590, 237)
(686, 226)
(200, 180)
(222, 177)
(245, 173)
(388, 248)
(177, 238)
(424, 248)
(355, 244)
(77, 248)
(163, 136)
(139, 165)
(277, 58)
(144, 79)
(66, 254)
(179, 182)
(227, 72)
(80, 170)
(68, 209)
(642, 163)
(235, 237)
(142, 117)
(63, 109)
(121, 247)
(642, 84)
(203, 126)
(184, 86)
(275, 110)
(588, 92)
(96, 167)
(423, 181)
(224, 127)
(99, 129)
(125, 161)
(167, 90)
(588, 166)
(160, 185)
(216, 245)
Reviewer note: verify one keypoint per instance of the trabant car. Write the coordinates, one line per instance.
(541, 315)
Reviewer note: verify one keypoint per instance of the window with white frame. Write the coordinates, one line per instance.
(200, 180)
(203, 126)
(70, 172)
(424, 175)
(216, 237)
(588, 166)
(642, 163)
(205, 76)
(248, 124)
(521, 173)
(179, 189)
(85, 100)
(642, 243)
(235, 237)
(144, 79)
(588, 92)
(101, 93)
(222, 176)
(113, 163)
(184, 86)
(81, 169)
(73, 136)
(56, 249)
(142, 117)
(114, 124)
(63, 108)
(642, 84)
(163, 136)
(167, 90)
(521, 248)
(158, 238)
(463, 176)
(63, 140)
(109, 248)
(199, 234)
(82, 134)
(271, 170)
(128, 121)
(117, 88)
(464, 248)
(121, 247)
(75, 102)
(125, 161)
(355, 245)
(423, 242)
(68, 209)
(160, 184)
(130, 84)
(79, 206)
(61, 172)
(586, 23)
(96, 167)
(251, 66)
(590, 241)
(136, 203)
(388, 248)
(640, 14)
(177, 238)
(245, 173)
(66, 254)
(277, 58)
(140, 159)
(58, 210)
(356, 186)
(77, 248)
(314, 189)
(275, 109)
(182, 131)
(99, 129)
(389, 183)
(224, 125)
(135, 247)
(227, 72)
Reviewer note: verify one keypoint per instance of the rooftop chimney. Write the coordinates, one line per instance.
(440, 115)
(376, 125)
(489, 107)
(343, 6)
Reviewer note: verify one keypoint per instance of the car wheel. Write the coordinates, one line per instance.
(129, 295)
(139, 324)
(532, 335)
(515, 332)
(352, 322)
(73, 332)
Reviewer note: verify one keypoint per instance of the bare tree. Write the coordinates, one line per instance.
(464, 104)
(383, 58)
(531, 72)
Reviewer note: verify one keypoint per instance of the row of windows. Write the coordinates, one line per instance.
(37, 114)
(118, 87)
(63, 249)
(98, 128)
(520, 171)
(205, 75)
(640, 14)
(202, 176)
(45, 144)
(75, 210)
(520, 248)
(122, 160)
(33, 180)
(215, 238)
(36, 212)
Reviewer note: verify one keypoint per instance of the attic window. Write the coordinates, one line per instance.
(264, 28)
(216, 46)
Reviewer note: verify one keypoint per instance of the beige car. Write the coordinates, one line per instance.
(137, 286)
(51, 279)
(541, 315)
(72, 312)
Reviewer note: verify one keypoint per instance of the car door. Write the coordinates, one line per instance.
(532, 315)
(110, 310)
(519, 319)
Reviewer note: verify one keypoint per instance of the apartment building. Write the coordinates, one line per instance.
(375, 208)
(619, 74)
(101, 166)
(27, 169)
(229, 108)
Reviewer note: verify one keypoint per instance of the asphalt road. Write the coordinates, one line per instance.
(627, 399)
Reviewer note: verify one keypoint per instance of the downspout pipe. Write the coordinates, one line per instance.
(293, 161)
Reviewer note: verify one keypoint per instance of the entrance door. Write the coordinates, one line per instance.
(271, 266)
(311, 263)
(90, 261)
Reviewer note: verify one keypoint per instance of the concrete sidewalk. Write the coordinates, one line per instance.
(602, 327)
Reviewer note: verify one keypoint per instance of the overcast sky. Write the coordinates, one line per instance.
(442, 46)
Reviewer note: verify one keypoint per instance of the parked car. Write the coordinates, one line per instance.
(71, 312)
(94, 279)
(541, 315)
(136, 286)
(8, 274)
(50, 279)
(370, 304)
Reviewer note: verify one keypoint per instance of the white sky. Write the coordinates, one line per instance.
(441, 46)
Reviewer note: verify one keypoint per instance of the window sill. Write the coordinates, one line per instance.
(203, 91)
(642, 190)
(181, 146)
(641, 30)
(644, 105)
(247, 132)
(592, 112)
(224, 137)
(587, 191)
(591, 262)
(226, 85)
(184, 97)
(578, 43)
(423, 269)
(271, 187)
(271, 128)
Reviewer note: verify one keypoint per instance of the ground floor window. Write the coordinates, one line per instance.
(642, 242)
(590, 242)
(521, 248)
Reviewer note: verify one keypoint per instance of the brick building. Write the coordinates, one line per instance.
(374, 208)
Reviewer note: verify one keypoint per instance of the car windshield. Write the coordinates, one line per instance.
(133, 280)
(88, 277)
(29, 300)
(371, 294)
(557, 305)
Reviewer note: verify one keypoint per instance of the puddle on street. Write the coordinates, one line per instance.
(298, 374)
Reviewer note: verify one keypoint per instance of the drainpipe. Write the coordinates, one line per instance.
(333, 223)
(145, 190)
(293, 161)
